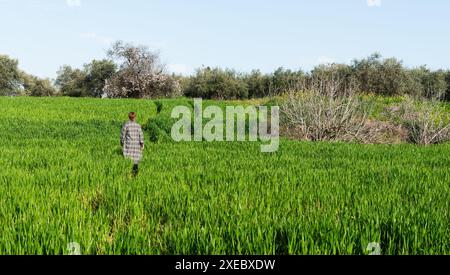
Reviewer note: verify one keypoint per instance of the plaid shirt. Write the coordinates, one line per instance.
(132, 141)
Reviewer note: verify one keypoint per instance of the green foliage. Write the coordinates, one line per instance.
(97, 72)
(283, 80)
(34, 86)
(382, 77)
(274, 102)
(139, 74)
(63, 180)
(447, 80)
(228, 84)
(88, 82)
(427, 84)
(72, 82)
(42, 87)
(159, 129)
(159, 106)
(216, 83)
(372, 75)
(9, 75)
(13, 81)
(258, 84)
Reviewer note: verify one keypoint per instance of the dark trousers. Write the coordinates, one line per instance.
(135, 169)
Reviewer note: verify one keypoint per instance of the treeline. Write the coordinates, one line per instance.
(387, 77)
(14, 81)
(131, 71)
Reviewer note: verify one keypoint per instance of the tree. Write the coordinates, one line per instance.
(43, 87)
(416, 78)
(336, 72)
(218, 84)
(258, 84)
(72, 82)
(35, 86)
(141, 74)
(88, 82)
(286, 80)
(10, 79)
(447, 79)
(435, 85)
(384, 77)
(365, 71)
(428, 84)
(392, 78)
(97, 73)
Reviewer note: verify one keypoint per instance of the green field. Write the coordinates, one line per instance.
(63, 180)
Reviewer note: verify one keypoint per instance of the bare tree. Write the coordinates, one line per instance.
(326, 111)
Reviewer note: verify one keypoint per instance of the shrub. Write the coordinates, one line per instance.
(447, 79)
(160, 128)
(159, 107)
(324, 114)
(286, 80)
(41, 87)
(337, 71)
(427, 122)
(427, 84)
(217, 84)
(97, 72)
(383, 132)
(381, 76)
(72, 82)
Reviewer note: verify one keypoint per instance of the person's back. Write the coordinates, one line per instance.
(132, 141)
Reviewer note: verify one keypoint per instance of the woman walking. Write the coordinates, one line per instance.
(132, 141)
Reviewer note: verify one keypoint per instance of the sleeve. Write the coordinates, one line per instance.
(122, 134)
(141, 137)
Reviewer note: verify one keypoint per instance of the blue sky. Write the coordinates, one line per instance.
(240, 34)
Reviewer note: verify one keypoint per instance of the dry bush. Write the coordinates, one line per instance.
(327, 111)
(383, 132)
(427, 121)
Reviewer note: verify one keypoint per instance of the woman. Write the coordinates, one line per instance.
(132, 141)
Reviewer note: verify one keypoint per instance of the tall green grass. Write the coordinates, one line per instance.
(63, 180)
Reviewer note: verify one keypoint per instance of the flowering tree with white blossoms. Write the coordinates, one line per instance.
(140, 75)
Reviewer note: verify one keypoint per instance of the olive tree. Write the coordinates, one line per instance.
(10, 79)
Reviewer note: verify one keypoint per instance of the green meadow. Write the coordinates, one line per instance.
(63, 179)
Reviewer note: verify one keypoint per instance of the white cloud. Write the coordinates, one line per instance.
(97, 38)
(73, 3)
(325, 60)
(374, 3)
(179, 69)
